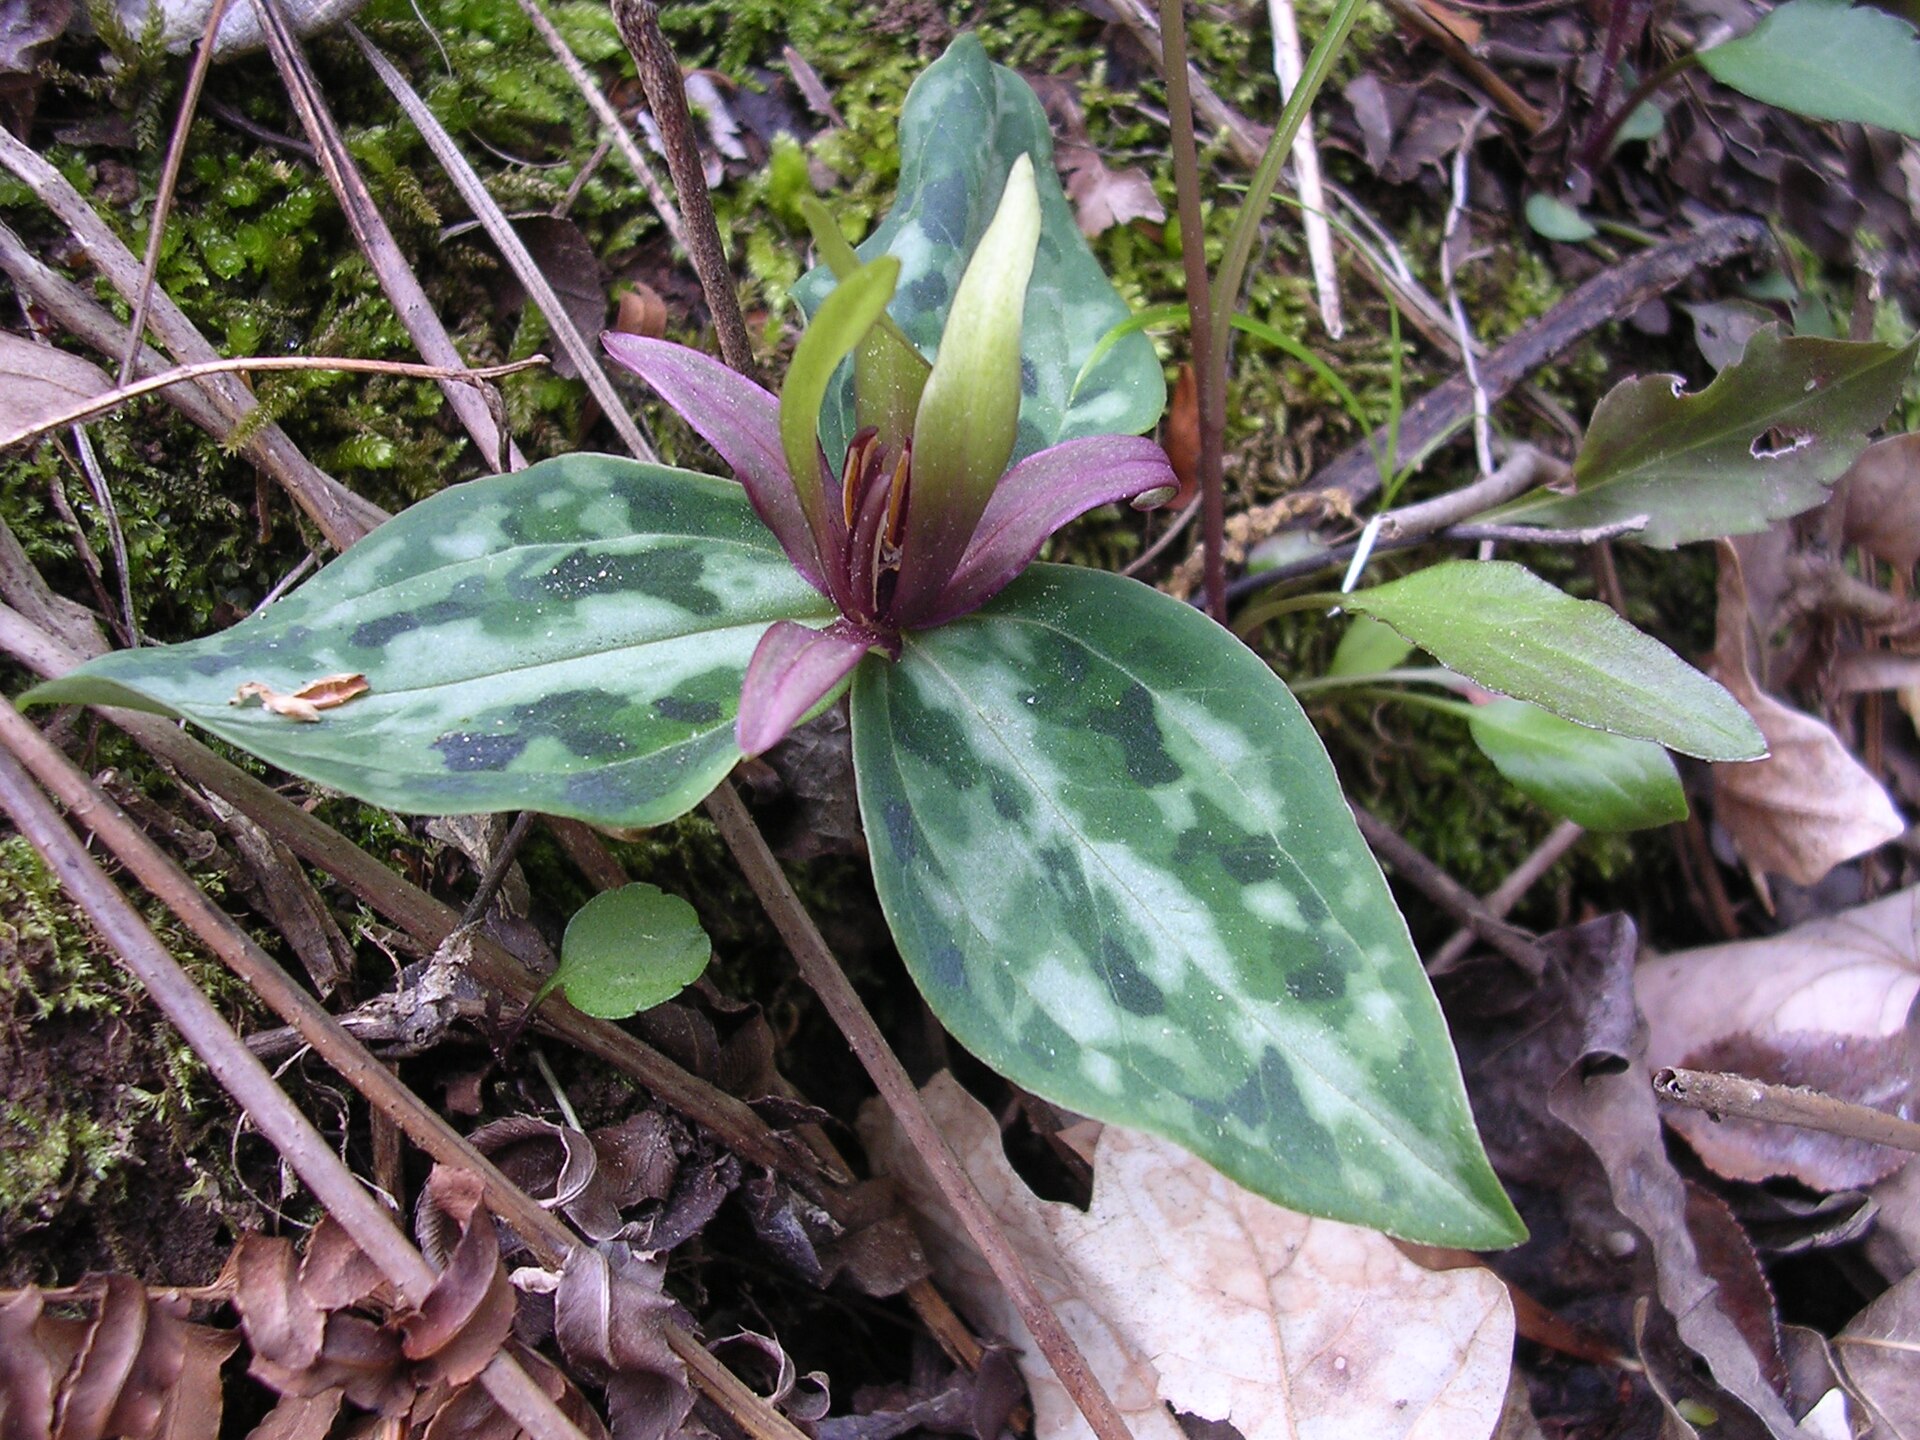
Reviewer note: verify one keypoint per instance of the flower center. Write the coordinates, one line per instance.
(874, 486)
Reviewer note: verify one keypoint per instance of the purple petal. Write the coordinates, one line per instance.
(1034, 499)
(792, 670)
(741, 421)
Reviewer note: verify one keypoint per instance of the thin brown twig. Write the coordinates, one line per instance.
(370, 231)
(666, 91)
(583, 352)
(610, 119)
(1445, 891)
(1742, 1098)
(161, 876)
(1509, 892)
(169, 182)
(304, 1148)
(341, 516)
(823, 974)
(107, 400)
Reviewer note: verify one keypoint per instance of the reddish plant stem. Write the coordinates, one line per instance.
(823, 974)
(1209, 379)
(246, 1079)
(666, 91)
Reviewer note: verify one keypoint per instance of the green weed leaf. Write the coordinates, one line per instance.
(1367, 648)
(1504, 627)
(1762, 442)
(1829, 60)
(570, 638)
(965, 121)
(1189, 936)
(1602, 781)
(1554, 218)
(628, 950)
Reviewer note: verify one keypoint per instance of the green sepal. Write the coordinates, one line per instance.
(1190, 936)
(570, 638)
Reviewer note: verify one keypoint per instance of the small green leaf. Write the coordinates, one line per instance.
(570, 638)
(1602, 781)
(1120, 868)
(1762, 442)
(1557, 220)
(965, 121)
(1504, 627)
(628, 950)
(1367, 648)
(1829, 60)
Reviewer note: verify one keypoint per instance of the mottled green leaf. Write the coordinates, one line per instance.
(628, 950)
(1504, 627)
(1118, 864)
(1829, 60)
(1762, 442)
(570, 638)
(966, 119)
(1605, 782)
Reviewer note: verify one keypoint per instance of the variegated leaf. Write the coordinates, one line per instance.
(1117, 862)
(965, 121)
(570, 638)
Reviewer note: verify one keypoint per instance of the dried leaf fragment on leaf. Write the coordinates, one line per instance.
(306, 703)
(1185, 1290)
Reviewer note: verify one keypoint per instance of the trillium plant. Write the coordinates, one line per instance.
(1111, 850)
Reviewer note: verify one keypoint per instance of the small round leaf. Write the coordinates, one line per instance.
(630, 949)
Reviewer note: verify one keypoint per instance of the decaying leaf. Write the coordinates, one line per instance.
(1559, 1081)
(1103, 197)
(129, 1365)
(1829, 1004)
(306, 703)
(1882, 490)
(608, 1317)
(1809, 804)
(1880, 1353)
(1184, 1290)
(40, 381)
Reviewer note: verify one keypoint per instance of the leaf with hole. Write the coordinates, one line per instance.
(1505, 628)
(1190, 937)
(570, 638)
(1762, 442)
(965, 122)
(628, 950)
(1827, 59)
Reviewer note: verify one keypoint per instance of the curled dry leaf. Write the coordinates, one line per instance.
(641, 311)
(1103, 197)
(131, 1366)
(468, 1314)
(41, 382)
(608, 1317)
(1829, 1004)
(1882, 490)
(306, 703)
(1809, 804)
(1184, 1290)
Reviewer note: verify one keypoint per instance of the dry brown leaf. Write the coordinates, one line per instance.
(306, 703)
(641, 311)
(1880, 1353)
(1182, 437)
(1103, 197)
(1184, 1290)
(1827, 1004)
(1882, 490)
(41, 382)
(1809, 805)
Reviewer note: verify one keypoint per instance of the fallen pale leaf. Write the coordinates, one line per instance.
(1103, 197)
(1882, 505)
(41, 382)
(1809, 804)
(306, 703)
(1186, 1291)
(1826, 1004)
